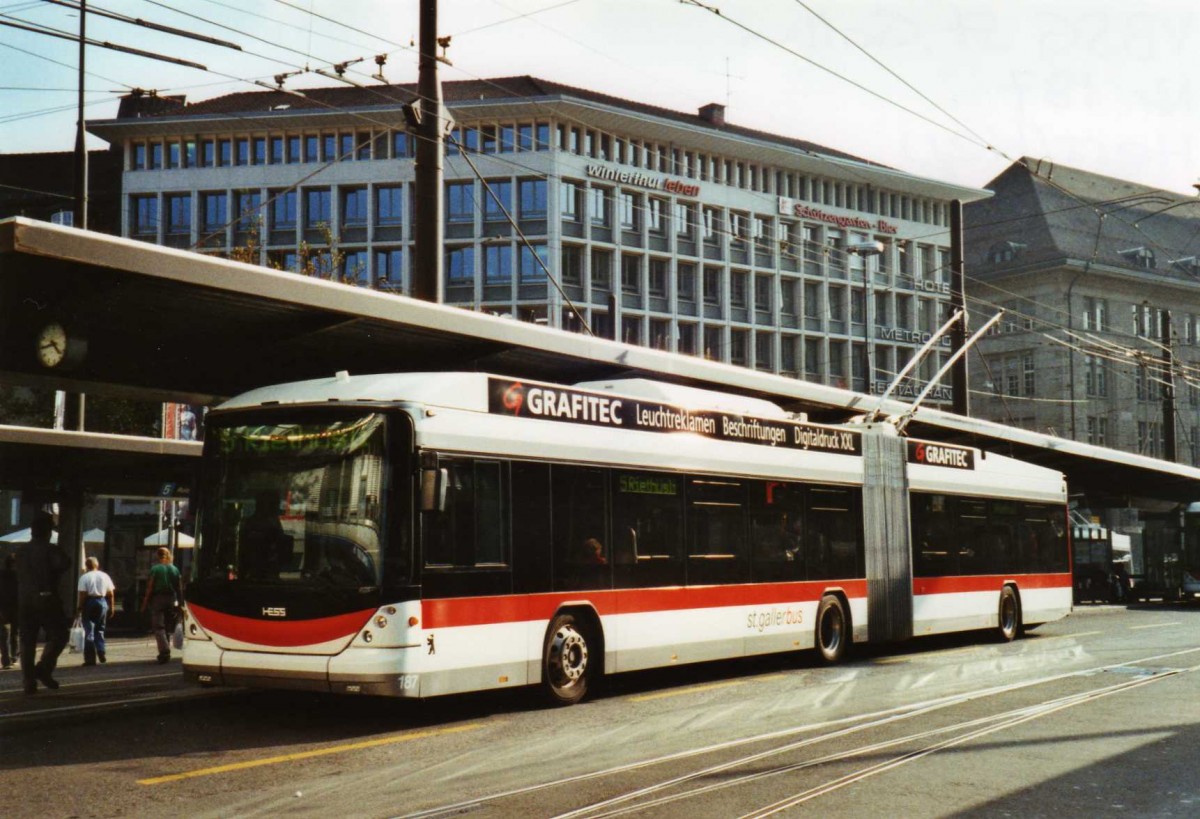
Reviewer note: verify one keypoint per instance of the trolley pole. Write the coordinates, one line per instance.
(428, 231)
(958, 296)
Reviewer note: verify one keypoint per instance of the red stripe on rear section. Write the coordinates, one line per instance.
(280, 633)
(478, 611)
(990, 582)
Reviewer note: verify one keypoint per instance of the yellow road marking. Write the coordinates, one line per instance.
(1155, 625)
(681, 691)
(337, 749)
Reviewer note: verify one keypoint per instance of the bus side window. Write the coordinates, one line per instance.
(716, 532)
(578, 525)
(647, 529)
(835, 548)
(777, 531)
(472, 529)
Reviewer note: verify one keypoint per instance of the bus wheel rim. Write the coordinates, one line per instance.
(831, 630)
(568, 656)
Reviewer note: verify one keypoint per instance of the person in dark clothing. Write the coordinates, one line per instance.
(40, 565)
(9, 641)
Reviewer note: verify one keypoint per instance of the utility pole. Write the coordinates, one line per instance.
(1168, 390)
(81, 157)
(428, 230)
(958, 297)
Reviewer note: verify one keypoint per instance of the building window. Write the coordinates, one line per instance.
(402, 147)
(1095, 314)
(685, 220)
(631, 273)
(572, 264)
(531, 196)
(137, 160)
(317, 207)
(533, 264)
(208, 153)
(174, 155)
(498, 200)
(631, 329)
(215, 207)
(737, 347)
(389, 268)
(283, 211)
(277, 150)
(460, 265)
(63, 217)
(354, 268)
(713, 344)
(570, 201)
(143, 211)
(460, 202)
(389, 205)
(248, 205)
(763, 347)
(654, 216)
(260, 150)
(354, 207)
(497, 264)
(712, 225)
(602, 264)
(294, 155)
(179, 213)
(241, 153)
(686, 282)
(628, 210)
(1095, 377)
(362, 145)
(312, 148)
(599, 207)
(346, 147)
(686, 339)
(763, 285)
(156, 155)
(658, 276)
(712, 286)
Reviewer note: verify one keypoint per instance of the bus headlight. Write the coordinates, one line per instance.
(368, 637)
(381, 621)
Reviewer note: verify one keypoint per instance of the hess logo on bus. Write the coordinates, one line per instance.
(274, 611)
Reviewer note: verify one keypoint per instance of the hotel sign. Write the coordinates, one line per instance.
(790, 207)
(642, 180)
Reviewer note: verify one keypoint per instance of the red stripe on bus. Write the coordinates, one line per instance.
(478, 611)
(992, 582)
(280, 633)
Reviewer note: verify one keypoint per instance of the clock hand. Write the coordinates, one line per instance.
(51, 344)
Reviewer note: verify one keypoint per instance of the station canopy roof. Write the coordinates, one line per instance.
(175, 325)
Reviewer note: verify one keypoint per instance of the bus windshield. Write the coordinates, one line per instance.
(295, 503)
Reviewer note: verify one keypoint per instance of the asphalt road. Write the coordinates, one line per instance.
(1096, 715)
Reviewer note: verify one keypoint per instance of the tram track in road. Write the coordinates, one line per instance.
(650, 796)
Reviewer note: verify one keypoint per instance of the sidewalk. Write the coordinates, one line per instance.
(132, 676)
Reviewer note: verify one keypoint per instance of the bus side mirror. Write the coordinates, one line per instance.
(433, 489)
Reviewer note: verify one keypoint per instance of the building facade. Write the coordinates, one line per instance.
(569, 208)
(1100, 279)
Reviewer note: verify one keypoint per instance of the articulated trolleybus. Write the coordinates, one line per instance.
(429, 533)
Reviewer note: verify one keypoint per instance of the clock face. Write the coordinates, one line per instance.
(52, 345)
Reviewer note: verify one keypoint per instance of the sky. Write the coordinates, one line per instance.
(949, 89)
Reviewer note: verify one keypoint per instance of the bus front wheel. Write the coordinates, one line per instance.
(833, 631)
(567, 667)
(1010, 615)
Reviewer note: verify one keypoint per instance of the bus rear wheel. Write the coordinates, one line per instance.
(567, 666)
(1010, 615)
(832, 629)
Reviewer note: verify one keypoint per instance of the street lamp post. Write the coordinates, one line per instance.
(868, 248)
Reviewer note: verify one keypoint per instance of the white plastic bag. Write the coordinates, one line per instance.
(76, 642)
(177, 636)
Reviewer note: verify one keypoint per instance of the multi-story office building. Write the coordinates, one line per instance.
(1089, 269)
(571, 208)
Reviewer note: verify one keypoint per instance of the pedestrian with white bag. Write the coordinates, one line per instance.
(97, 598)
